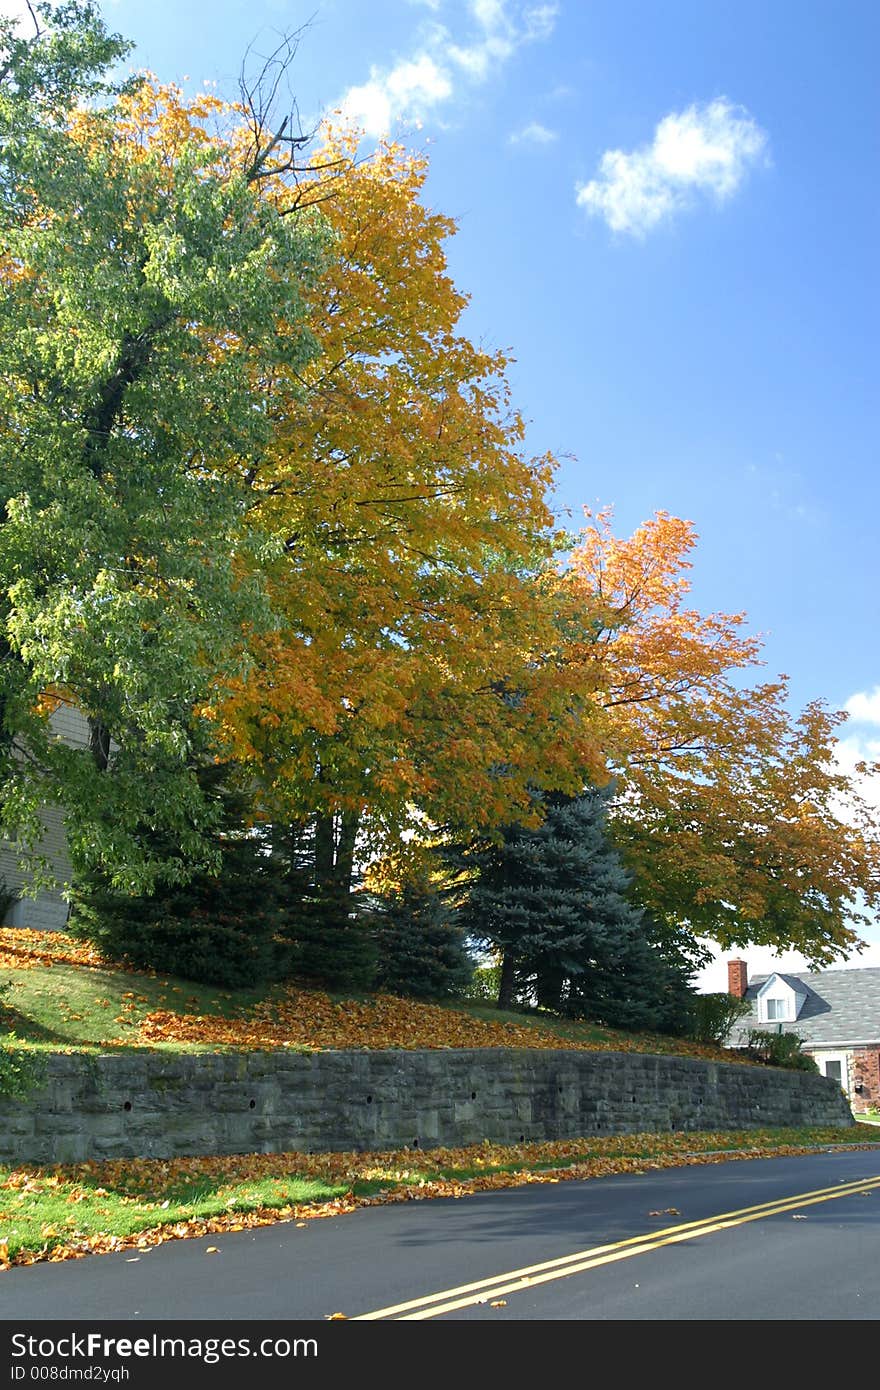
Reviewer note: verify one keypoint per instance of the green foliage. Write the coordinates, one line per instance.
(780, 1050)
(421, 948)
(712, 1017)
(222, 928)
(141, 290)
(553, 902)
(485, 983)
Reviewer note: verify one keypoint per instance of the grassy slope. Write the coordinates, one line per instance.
(59, 993)
(63, 1005)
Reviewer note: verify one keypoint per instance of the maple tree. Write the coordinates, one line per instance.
(407, 670)
(734, 815)
(261, 492)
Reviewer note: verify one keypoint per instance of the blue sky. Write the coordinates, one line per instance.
(668, 213)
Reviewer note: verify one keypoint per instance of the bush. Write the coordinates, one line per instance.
(485, 983)
(221, 929)
(780, 1050)
(712, 1016)
(221, 952)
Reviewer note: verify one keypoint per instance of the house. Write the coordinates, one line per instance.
(836, 1013)
(49, 910)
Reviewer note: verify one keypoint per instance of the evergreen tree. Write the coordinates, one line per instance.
(326, 928)
(222, 927)
(554, 902)
(421, 946)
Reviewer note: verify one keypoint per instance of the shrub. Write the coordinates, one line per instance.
(780, 1050)
(712, 1016)
(221, 929)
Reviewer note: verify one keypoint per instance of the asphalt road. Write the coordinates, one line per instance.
(626, 1247)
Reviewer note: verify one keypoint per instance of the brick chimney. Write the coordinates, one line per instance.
(737, 978)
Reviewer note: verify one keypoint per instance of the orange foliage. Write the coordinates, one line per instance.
(310, 1019)
(22, 949)
(734, 815)
(408, 527)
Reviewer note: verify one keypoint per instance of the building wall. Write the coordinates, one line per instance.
(48, 911)
(158, 1105)
(866, 1076)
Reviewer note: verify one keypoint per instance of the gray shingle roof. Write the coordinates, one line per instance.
(842, 1006)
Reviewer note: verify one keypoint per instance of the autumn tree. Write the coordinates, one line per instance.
(147, 283)
(409, 671)
(735, 816)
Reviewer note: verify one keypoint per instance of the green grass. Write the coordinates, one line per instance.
(40, 1220)
(61, 1005)
(51, 1007)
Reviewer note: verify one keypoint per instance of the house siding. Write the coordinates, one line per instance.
(48, 911)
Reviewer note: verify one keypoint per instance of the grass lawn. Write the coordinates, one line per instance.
(62, 1212)
(65, 1005)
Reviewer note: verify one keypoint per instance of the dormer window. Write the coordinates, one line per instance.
(780, 999)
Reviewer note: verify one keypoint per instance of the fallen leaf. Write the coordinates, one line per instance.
(500, 1303)
(212, 1250)
(337, 1317)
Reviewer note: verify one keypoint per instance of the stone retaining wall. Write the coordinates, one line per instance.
(158, 1105)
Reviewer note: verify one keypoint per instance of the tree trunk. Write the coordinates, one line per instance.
(507, 983)
(548, 988)
(324, 851)
(349, 824)
(99, 743)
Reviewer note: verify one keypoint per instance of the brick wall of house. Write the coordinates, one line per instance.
(866, 1073)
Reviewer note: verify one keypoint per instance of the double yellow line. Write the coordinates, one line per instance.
(520, 1280)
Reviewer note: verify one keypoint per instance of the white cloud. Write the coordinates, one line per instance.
(706, 149)
(865, 707)
(533, 134)
(410, 88)
(540, 21)
(417, 84)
